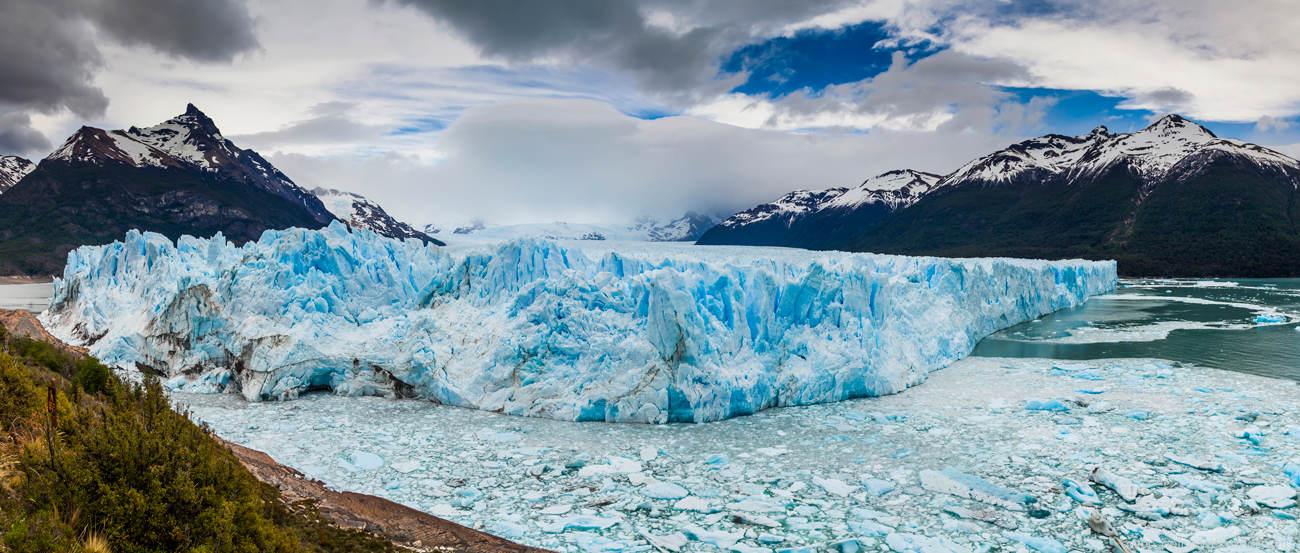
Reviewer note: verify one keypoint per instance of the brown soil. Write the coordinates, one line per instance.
(22, 323)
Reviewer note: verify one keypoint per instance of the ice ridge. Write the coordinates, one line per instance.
(532, 327)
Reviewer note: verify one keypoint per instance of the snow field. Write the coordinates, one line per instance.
(651, 333)
(956, 465)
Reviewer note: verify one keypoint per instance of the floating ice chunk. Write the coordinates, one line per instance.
(962, 526)
(719, 538)
(868, 528)
(953, 482)
(1046, 405)
(664, 490)
(1292, 471)
(1044, 545)
(578, 522)
(1190, 461)
(405, 467)
(508, 530)
(1277, 497)
(671, 542)
(835, 487)
(1139, 414)
(915, 543)
(852, 545)
(1120, 485)
(616, 465)
(557, 509)
(1215, 536)
(877, 487)
(743, 548)
(1154, 508)
(754, 519)
(1091, 390)
(489, 435)
(772, 451)
(1196, 484)
(534, 496)
(1081, 492)
(365, 461)
(996, 518)
(649, 454)
(1100, 407)
(715, 459)
(756, 505)
(1270, 318)
(692, 503)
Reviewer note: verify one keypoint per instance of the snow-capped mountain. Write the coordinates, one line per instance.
(12, 170)
(190, 141)
(786, 221)
(686, 228)
(1170, 145)
(359, 212)
(176, 178)
(1172, 199)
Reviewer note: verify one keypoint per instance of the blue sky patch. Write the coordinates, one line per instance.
(814, 59)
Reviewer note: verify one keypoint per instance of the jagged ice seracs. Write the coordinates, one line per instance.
(531, 327)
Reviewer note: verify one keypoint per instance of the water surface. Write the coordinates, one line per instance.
(28, 297)
(1246, 325)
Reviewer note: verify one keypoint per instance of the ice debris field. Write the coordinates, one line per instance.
(532, 327)
(988, 455)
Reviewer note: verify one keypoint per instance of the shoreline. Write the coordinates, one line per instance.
(8, 280)
(819, 475)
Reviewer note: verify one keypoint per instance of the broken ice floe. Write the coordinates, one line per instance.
(826, 478)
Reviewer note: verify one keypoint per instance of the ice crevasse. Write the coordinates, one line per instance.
(532, 327)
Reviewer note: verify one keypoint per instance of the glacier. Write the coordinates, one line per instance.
(531, 327)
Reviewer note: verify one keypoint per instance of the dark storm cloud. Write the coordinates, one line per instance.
(200, 30)
(17, 137)
(48, 59)
(47, 62)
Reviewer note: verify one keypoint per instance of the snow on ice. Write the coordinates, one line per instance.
(531, 327)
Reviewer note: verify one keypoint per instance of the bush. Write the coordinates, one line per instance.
(18, 395)
(91, 376)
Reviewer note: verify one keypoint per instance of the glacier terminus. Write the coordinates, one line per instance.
(619, 333)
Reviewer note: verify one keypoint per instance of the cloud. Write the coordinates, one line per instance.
(945, 91)
(48, 61)
(579, 160)
(202, 30)
(17, 137)
(50, 57)
(1268, 123)
(332, 123)
(672, 48)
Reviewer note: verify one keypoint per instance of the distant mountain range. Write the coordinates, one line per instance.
(686, 228)
(1172, 199)
(178, 177)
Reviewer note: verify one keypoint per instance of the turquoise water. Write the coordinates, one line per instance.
(28, 297)
(1246, 325)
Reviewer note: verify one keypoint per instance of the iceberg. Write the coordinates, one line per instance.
(531, 327)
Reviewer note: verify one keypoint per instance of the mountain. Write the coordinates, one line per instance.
(1172, 200)
(809, 218)
(179, 177)
(12, 170)
(686, 228)
(359, 212)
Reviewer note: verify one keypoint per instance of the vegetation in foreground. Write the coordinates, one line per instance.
(91, 463)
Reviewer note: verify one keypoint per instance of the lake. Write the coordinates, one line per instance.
(28, 297)
(1245, 325)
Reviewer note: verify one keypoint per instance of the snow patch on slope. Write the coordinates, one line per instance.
(531, 327)
(895, 189)
(12, 170)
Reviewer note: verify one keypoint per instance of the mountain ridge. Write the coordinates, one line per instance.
(1172, 199)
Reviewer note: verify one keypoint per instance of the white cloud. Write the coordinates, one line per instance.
(536, 160)
(1268, 123)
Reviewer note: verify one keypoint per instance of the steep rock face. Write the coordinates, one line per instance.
(687, 228)
(530, 327)
(12, 170)
(179, 177)
(814, 219)
(359, 212)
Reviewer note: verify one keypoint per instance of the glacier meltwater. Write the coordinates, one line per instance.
(537, 328)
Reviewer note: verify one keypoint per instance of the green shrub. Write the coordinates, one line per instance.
(18, 395)
(91, 376)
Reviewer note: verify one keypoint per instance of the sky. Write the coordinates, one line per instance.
(600, 111)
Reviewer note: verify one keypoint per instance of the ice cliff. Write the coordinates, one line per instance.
(530, 327)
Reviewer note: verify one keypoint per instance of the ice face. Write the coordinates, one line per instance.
(530, 327)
